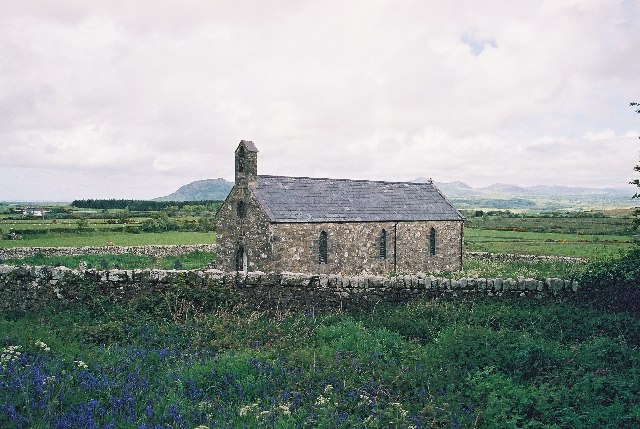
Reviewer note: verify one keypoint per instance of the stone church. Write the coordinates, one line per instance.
(331, 226)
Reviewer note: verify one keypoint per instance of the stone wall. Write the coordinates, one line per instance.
(156, 251)
(31, 288)
(251, 233)
(354, 247)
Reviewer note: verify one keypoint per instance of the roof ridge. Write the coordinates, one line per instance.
(348, 180)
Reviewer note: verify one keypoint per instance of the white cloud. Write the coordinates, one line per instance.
(154, 94)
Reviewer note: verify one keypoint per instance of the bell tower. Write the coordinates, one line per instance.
(246, 163)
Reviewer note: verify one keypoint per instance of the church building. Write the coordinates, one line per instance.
(334, 226)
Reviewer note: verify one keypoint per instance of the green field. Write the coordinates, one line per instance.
(545, 243)
(474, 267)
(189, 261)
(568, 223)
(114, 238)
(466, 364)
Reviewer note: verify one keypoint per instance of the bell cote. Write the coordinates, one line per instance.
(246, 163)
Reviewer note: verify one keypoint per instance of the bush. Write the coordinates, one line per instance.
(613, 284)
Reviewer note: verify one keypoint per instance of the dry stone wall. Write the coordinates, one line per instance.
(31, 288)
(157, 251)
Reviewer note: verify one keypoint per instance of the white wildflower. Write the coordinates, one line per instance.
(328, 389)
(43, 346)
(285, 408)
(80, 364)
(246, 409)
(10, 354)
(321, 400)
(263, 414)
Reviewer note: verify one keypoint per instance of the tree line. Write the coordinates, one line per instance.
(140, 205)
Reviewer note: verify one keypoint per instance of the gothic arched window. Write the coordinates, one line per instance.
(383, 244)
(432, 242)
(241, 258)
(242, 209)
(241, 159)
(322, 248)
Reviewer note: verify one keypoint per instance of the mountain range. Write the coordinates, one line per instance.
(498, 195)
(500, 190)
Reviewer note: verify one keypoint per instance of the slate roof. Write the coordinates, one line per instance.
(305, 199)
(251, 147)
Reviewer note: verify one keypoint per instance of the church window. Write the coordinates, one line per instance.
(383, 244)
(241, 259)
(241, 156)
(322, 248)
(432, 242)
(242, 209)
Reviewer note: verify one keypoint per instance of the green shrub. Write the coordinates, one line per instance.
(613, 284)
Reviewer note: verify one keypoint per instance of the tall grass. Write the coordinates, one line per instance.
(436, 364)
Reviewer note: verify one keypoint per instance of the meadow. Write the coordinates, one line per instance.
(437, 364)
(461, 363)
(589, 235)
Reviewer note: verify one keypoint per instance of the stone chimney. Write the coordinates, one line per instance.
(246, 163)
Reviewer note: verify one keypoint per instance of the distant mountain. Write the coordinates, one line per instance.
(208, 189)
(498, 195)
(540, 197)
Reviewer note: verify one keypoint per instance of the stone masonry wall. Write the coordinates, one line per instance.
(251, 232)
(32, 288)
(354, 247)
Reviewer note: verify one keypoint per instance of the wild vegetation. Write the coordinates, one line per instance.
(464, 364)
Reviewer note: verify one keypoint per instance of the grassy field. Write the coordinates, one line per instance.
(118, 239)
(474, 267)
(545, 243)
(438, 364)
(189, 261)
(567, 223)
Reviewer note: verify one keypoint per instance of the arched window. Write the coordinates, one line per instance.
(322, 248)
(241, 258)
(432, 242)
(383, 244)
(241, 156)
(242, 209)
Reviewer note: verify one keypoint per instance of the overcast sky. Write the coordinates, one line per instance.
(132, 99)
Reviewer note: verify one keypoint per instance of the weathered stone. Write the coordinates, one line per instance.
(31, 287)
(530, 284)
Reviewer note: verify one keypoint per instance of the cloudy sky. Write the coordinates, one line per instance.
(132, 99)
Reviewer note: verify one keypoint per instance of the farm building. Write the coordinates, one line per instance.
(316, 225)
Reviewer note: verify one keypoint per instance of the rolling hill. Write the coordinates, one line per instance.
(207, 189)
